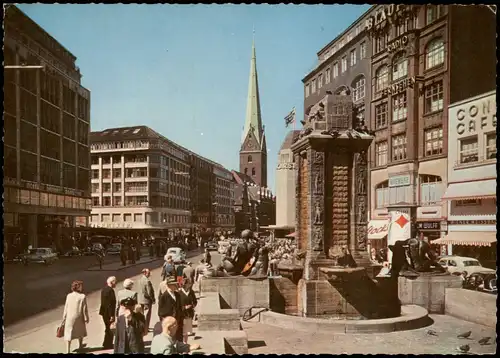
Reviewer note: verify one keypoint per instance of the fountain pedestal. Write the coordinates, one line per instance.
(331, 199)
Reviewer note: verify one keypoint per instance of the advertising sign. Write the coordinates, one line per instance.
(399, 229)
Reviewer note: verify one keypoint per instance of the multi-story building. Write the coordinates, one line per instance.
(285, 184)
(223, 203)
(142, 180)
(46, 148)
(471, 194)
(424, 57)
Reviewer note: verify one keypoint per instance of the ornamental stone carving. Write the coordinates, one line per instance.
(285, 166)
(318, 183)
(318, 240)
(318, 213)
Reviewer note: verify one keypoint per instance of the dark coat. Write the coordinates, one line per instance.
(130, 339)
(108, 302)
(167, 306)
(188, 299)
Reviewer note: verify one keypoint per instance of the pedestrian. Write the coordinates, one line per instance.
(126, 292)
(75, 316)
(189, 302)
(129, 329)
(100, 257)
(166, 342)
(207, 257)
(107, 310)
(123, 254)
(146, 295)
(188, 272)
(170, 304)
(179, 271)
(131, 253)
(151, 250)
(168, 268)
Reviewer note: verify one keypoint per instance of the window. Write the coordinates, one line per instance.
(137, 218)
(313, 86)
(249, 159)
(335, 70)
(95, 187)
(106, 201)
(307, 90)
(433, 141)
(434, 54)
(95, 202)
(382, 194)
(402, 27)
(381, 153)
(491, 146)
(434, 12)
(95, 173)
(353, 57)
(399, 147)
(117, 173)
(399, 110)
(344, 64)
(431, 189)
(253, 171)
(106, 173)
(246, 171)
(399, 66)
(381, 115)
(400, 194)
(358, 92)
(117, 187)
(381, 78)
(380, 43)
(327, 75)
(320, 81)
(468, 150)
(106, 187)
(362, 50)
(434, 97)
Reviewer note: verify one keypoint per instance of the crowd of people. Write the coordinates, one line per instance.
(127, 313)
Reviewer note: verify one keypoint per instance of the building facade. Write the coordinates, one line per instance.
(202, 193)
(472, 173)
(223, 202)
(46, 143)
(415, 51)
(285, 183)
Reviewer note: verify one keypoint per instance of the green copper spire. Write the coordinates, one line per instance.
(253, 121)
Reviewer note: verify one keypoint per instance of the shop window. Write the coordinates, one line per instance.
(491, 146)
(468, 150)
(433, 141)
(381, 78)
(382, 194)
(431, 189)
(434, 54)
(434, 97)
(399, 147)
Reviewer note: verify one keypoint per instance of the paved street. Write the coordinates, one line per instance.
(37, 334)
(265, 339)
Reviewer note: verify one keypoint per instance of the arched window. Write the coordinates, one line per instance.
(434, 53)
(431, 189)
(253, 171)
(399, 66)
(249, 159)
(358, 88)
(246, 171)
(341, 89)
(381, 78)
(382, 194)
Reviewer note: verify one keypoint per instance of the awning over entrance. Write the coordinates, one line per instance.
(483, 189)
(378, 229)
(469, 238)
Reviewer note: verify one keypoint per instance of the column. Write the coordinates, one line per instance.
(38, 117)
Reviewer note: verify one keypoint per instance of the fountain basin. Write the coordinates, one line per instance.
(412, 317)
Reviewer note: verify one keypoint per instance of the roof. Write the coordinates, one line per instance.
(289, 139)
(241, 178)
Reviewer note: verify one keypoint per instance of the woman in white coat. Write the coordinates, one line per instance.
(76, 315)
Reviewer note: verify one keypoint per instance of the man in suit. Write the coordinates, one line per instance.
(189, 272)
(146, 295)
(107, 310)
(170, 304)
(130, 329)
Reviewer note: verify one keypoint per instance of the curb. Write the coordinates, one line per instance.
(119, 268)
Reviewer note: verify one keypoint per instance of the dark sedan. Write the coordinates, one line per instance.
(481, 281)
(212, 246)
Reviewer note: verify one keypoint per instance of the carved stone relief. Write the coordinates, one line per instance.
(361, 210)
(317, 240)
(318, 183)
(319, 158)
(318, 213)
(361, 237)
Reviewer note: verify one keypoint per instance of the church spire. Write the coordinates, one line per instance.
(253, 121)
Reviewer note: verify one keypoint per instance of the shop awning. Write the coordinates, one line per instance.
(378, 229)
(469, 238)
(483, 189)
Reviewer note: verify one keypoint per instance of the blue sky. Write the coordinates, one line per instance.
(183, 69)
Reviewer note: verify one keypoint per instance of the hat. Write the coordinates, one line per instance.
(127, 302)
(171, 281)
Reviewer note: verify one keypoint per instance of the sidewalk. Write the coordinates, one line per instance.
(116, 266)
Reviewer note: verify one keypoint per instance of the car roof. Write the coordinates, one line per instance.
(458, 257)
(174, 249)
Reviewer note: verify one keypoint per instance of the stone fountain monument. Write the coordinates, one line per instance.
(331, 204)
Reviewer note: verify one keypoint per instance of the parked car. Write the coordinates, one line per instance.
(481, 281)
(462, 264)
(43, 255)
(178, 255)
(114, 249)
(74, 251)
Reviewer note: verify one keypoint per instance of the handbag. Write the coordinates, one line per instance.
(60, 330)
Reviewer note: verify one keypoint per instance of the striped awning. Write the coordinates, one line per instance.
(468, 238)
(484, 189)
